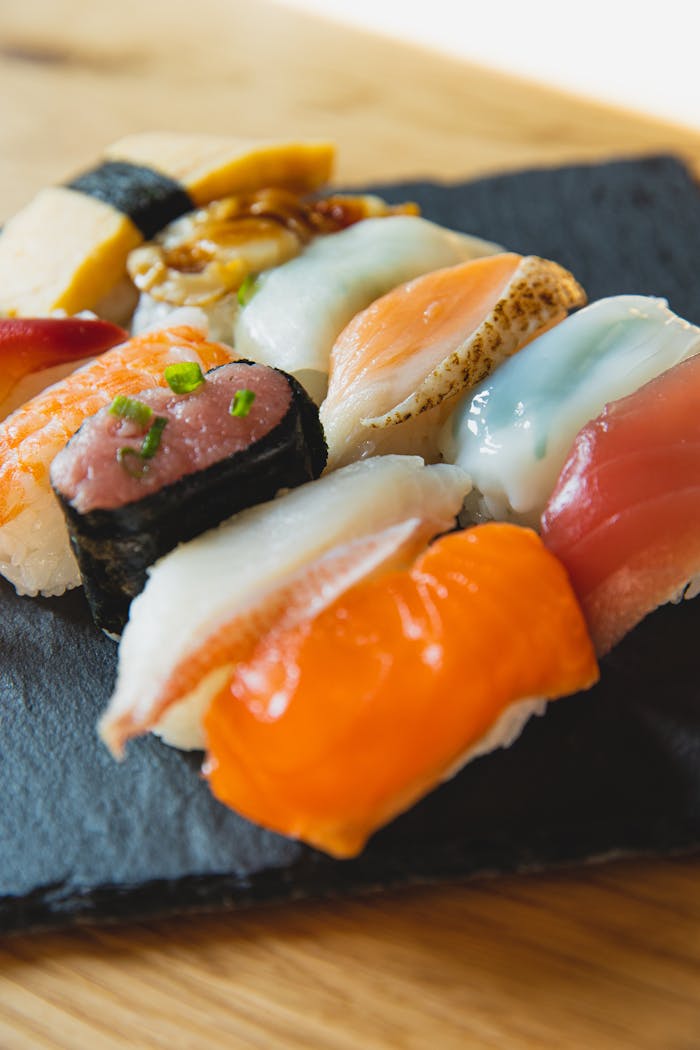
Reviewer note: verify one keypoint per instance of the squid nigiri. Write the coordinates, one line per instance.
(298, 309)
(624, 517)
(396, 368)
(336, 724)
(35, 553)
(513, 433)
(38, 351)
(186, 628)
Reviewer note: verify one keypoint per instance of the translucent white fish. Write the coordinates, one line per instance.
(513, 432)
(300, 308)
(228, 574)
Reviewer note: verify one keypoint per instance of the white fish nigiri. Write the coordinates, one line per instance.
(300, 308)
(231, 574)
(513, 432)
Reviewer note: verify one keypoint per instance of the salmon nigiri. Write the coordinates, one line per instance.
(625, 514)
(35, 554)
(336, 724)
(38, 351)
(398, 365)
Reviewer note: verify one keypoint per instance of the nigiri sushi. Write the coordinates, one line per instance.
(624, 517)
(38, 351)
(203, 596)
(396, 368)
(149, 472)
(331, 727)
(35, 553)
(298, 309)
(513, 432)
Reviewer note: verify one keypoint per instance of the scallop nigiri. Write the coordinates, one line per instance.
(399, 364)
(35, 553)
(204, 599)
(38, 351)
(332, 727)
(513, 433)
(298, 309)
(624, 517)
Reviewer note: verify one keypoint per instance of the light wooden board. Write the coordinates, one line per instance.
(606, 957)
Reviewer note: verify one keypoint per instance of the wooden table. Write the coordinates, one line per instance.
(604, 957)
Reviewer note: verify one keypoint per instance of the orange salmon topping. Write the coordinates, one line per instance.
(335, 726)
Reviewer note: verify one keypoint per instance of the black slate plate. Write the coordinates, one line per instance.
(614, 770)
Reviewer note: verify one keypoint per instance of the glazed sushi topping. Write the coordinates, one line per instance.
(184, 377)
(242, 403)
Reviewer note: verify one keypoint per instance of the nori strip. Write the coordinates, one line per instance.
(115, 547)
(150, 199)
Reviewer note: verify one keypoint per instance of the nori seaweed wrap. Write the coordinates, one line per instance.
(150, 472)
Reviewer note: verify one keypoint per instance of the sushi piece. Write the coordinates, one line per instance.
(624, 517)
(298, 309)
(67, 249)
(185, 627)
(149, 472)
(36, 352)
(332, 727)
(513, 433)
(210, 257)
(396, 368)
(35, 554)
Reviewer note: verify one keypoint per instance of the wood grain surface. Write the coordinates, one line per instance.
(606, 957)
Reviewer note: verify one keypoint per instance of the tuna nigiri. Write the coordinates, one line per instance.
(207, 597)
(397, 366)
(336, 724)
(38, 351)
(35, 554)
(513, 433)
(624, 517)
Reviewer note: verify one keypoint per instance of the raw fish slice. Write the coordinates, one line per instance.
(625, 514)
(395, 364)
(232, 572)
(35, 554)
(35, 352)
(336, 725)
(513, 433)
(299, 309)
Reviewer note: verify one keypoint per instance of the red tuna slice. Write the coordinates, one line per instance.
(624, 517)
(31, 345)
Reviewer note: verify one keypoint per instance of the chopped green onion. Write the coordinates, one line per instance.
(129, 408)
(184, 377)
(151, 442)
(242, 401)
(247, 289)
(135, 460)
(132, 461)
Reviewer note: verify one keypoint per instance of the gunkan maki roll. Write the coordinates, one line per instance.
(149, 472)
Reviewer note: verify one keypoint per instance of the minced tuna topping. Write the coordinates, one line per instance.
(114, 460)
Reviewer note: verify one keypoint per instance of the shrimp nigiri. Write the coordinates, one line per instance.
(336, 724)
(35, 553)
(397, 367)
(624, 516)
